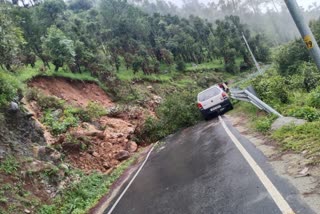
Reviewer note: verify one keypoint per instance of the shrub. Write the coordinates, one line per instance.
(95, 110)
(8, 88)
(305, 112)
(271, 88)
(181, 65)
(264, 124)
(9, 165)
(46, 102)
(178, 111)
(290, 56)
(60, 121)
(314, 98)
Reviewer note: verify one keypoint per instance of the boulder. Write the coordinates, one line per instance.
(122, 155)
(132, 146)
(284, 121)
(14, 107)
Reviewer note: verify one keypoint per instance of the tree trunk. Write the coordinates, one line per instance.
(56, 68)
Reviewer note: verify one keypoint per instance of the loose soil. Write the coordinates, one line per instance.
(292, 166)
(73, 91)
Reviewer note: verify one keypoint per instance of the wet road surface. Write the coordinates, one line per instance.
(200, 170)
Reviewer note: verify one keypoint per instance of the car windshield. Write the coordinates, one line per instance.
(205, 95)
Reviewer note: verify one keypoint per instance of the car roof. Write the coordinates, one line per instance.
(214, 86)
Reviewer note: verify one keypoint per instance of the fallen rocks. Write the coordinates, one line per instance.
(106, 165)
(283, 121)
(132, 146)
(122, 155)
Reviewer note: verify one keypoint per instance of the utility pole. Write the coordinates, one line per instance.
(253, 58)
(305, 31)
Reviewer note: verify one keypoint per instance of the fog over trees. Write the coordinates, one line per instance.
(262, 16)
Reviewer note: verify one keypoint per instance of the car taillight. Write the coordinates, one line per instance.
(200, 106)
(224, 95)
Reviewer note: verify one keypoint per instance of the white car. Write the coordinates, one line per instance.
(213, 101)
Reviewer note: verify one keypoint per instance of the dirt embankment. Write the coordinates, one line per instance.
(74, 92)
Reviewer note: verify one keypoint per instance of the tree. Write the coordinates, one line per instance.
(11, 38)
(58, 47)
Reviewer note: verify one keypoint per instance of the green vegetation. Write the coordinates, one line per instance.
(292, 87)
(9, 165)
(179, 110)
(81, 196)
(8, 88)
(301, 138)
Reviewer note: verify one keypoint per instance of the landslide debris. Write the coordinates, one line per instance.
(60, 126)
(93, 144)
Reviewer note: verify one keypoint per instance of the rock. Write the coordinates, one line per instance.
(131, 130)
(27, 211)
(132, 146)
(14, 107)
(113, 141)
(149, 87)
(157, 99)
(2, 154)
(38, 166)
(106, 165)
(55, 156)
(95, 154)
(283, 121)
(304, 171)
(64, 167)
(57, 113)
(38, 151)
(120, 135)
(122, 155)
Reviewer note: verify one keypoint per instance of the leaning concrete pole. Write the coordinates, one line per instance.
(252, 55)
(305, 31)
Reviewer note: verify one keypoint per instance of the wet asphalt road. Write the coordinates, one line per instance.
(200, 170)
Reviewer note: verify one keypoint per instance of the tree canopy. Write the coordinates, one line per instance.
(100, 36)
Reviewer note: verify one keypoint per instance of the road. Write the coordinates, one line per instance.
(201, 170)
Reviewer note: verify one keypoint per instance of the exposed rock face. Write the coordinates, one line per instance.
(38, 166)
(20, 133)
(283, 121)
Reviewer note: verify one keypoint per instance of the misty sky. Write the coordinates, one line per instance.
(303, 3)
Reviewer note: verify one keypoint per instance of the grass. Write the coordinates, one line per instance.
(215, 64)
(81, 196)
(301, 138)
(10, 165)
(128, 75)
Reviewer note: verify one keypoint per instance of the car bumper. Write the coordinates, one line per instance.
(224, 105)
